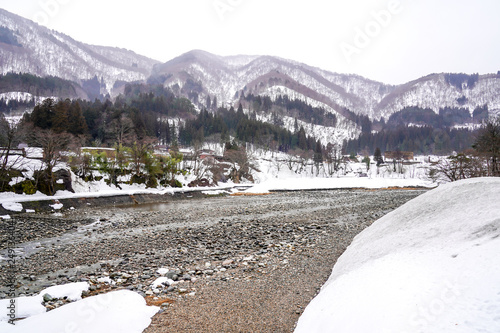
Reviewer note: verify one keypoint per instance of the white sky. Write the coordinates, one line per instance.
(419, 37)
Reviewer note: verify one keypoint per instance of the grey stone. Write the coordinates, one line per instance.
(47, 298)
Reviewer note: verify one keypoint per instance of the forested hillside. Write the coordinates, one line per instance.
(153, 111)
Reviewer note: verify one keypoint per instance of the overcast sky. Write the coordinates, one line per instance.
(393, 41)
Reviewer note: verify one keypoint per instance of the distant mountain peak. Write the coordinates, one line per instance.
(48, 52)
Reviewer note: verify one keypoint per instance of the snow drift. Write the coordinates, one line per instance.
(431, 265)
(121, 311)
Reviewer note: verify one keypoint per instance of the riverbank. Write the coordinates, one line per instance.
(246, 263)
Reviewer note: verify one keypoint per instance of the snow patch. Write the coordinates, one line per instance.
(13, 206)
(162, 281)
(27, 307)
(57, 206)
(118, 311)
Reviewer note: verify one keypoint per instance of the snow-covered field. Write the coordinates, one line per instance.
(277, 173)
(431, 265)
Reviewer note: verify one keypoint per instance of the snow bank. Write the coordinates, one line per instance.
(30, 306)
(432, 265)
(120, 311)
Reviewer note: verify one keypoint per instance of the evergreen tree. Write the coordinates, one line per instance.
(318, 152)
(208, 103)
(43, 114)
(60, 119)
(214, 103)
(76, 121)
(302, 139)
(377, 156)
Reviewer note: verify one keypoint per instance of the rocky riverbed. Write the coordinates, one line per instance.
(228, 264)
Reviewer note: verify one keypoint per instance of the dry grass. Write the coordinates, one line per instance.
(407, 188)
(241, 194)
(151, 301)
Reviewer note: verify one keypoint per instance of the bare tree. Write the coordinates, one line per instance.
(397, 161)
(9, 135)
(242, 163)
(488, 145)
(483, 161)
(139, 153)
(52, 145)
(122, 129)
(459, 166)
(292, 161)
(303, 159)
(278, 164)
(81, 164)
(333, 158)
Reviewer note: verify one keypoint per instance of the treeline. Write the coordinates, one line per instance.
(63, 116)
(294, 108)
(11, 105)
(422, 131)
(447, 117)
(7, 36)
(156, 98)
(35, 85)
(362, 121)
(148, 112)
(134, 116)
(461, 79)
(93, 88)
(420, 140)
(225, 122)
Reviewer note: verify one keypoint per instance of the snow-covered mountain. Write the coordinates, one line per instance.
(27, 47)
(205, 74)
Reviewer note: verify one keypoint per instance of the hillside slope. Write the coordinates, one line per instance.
(31, 48)
(200, 74)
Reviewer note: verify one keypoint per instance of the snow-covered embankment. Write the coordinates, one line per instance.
(432, 265)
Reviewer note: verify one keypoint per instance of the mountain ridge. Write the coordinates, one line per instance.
(27, 47)
(45, 52)
(375, 99)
